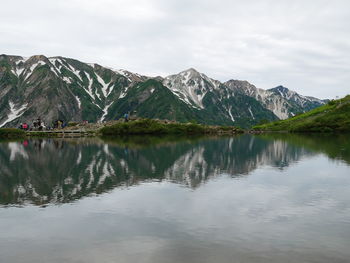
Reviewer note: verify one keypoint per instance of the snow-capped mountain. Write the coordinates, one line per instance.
(283, 102)
(216, 99)
(191, 86)
(63, 88)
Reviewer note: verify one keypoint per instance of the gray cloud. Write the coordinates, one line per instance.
(304, 45)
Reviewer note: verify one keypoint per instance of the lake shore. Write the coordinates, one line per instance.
(133, 127)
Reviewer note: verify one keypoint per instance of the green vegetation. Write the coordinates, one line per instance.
(332, 117)
(72, 123)
(11, 133)
(149, 126)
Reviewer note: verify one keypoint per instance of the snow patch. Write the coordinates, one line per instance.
(278, 109)
(97, 94)
(251, 113)
(123, 93)
(32, 68)
(79, 102)
(66, 79)
(19, 61)
(124, 73)
(89, 90)
(53, 62)
(14, 113)
(39, 63)
(104, 86)
(17, 71)
(230, 113)
(74, 71)
(53, 69)
(97, 105)
(67, 66)
(24, 60)
(105, 111)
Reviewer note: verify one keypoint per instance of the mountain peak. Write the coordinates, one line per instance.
(192, 72)
(280, 88)
(10, 58)
(35, 59)
(38, 57)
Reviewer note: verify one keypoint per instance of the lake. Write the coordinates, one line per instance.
(262, 198)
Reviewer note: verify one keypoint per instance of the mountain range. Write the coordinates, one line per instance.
(63, 88)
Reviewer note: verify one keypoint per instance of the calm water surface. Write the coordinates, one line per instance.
(268, 198)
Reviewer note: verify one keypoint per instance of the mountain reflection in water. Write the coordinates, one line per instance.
(43, 171)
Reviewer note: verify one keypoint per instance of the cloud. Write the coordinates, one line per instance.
(304, 45)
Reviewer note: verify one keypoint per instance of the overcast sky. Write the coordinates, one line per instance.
(303, 45)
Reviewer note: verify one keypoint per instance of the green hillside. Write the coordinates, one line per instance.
(332, 117)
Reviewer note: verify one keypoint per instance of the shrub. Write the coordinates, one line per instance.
(148, 126)
(332, 102)
(72, 123)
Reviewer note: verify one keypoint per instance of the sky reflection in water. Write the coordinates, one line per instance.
(240, 199)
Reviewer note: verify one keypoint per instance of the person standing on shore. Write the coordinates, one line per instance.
(126, 117)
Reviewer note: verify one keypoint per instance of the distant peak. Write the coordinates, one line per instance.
(280, 88)
(10, 57)
(38, 57)
(190, 73)
(190, 70)
(237, 81)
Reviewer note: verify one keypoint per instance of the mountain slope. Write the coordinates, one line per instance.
(332, 117)
(150, 99)
(57, 88)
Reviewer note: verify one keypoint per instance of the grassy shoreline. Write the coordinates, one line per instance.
(135, 127)
(155, 127)
(6, 133)
(334, 117)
